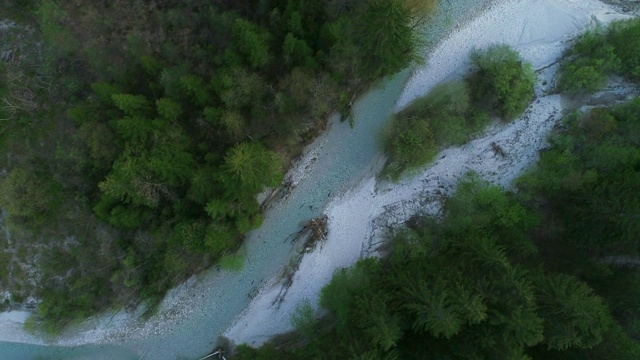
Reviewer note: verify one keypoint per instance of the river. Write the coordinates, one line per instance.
(344, 156)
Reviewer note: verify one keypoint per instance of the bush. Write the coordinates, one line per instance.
(232, 262)
(501, 81)
(624, 37)
(444, 117)
(29, 195)
(588, 64)
(598, 54)
(409, 144)
(303, 319)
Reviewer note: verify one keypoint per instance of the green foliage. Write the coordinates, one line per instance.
(563, 302)
(458, 290)
(444, 117)
(190, 235)
(488, 210)
(131, 105)
(240, 88)
(409, 144)
(585, 186)
(339, 295)
(591, 173)
(624, 37)
(588, 63)
(168, 109)
(60, 40)
(252, 42)
(162, 126)
(297, 52)
(501, 81)
(600, 53)
(304, 319)
(380, 28)
(28, 195)
(254, 165)
(387, 35)
(620, 287)
(232, 262)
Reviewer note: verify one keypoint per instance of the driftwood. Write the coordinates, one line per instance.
(219, 352)
(314, 231)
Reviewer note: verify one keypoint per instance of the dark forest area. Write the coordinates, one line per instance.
(548, 269)
(137, 134)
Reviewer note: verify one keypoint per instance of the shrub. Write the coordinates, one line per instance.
(598, 54)
(501, 81)
(442, 118)
(28, 195)
(588, 64)
(624, 37)
(232, 262)
(408, 144)
(303, 319)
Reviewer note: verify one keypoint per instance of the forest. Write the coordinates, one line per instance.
(137, 134)
(548, 271)
(545, 270)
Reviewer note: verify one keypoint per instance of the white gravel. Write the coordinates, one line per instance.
(359, 219)
(11, 328)
(539, 29)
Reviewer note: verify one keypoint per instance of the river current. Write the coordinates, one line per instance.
(344, 156)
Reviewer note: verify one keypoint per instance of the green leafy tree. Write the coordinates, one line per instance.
(131, 105)
(573, 315)
(168, 109)
(252, 42)
(386, 32)
(409, 145)
(61, 41)
(624, 36)
(297, 52)
(502, 80)
(587, 65)
(28, 195)
(304, 319)
(253, 165)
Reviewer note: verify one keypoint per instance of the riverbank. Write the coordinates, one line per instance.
(360, 214)
(209, 302)
(360, 219)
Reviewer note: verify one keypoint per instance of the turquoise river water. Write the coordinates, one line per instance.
(346, 156)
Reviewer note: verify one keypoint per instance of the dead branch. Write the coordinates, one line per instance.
(313, 231)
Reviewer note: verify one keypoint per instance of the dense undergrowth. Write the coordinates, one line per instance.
(141, 133)
(547, 272)
(500, 84)
(598, 54)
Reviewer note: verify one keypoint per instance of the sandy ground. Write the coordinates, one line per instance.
(11, 328)
(359, 219)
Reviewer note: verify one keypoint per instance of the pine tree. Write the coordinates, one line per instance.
(573, 315)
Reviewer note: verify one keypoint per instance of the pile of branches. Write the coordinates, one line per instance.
(313, 231)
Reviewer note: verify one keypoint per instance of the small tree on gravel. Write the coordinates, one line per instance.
(501, 80)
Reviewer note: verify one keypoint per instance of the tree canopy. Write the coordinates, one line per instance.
(470, 286)
(147, 132)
